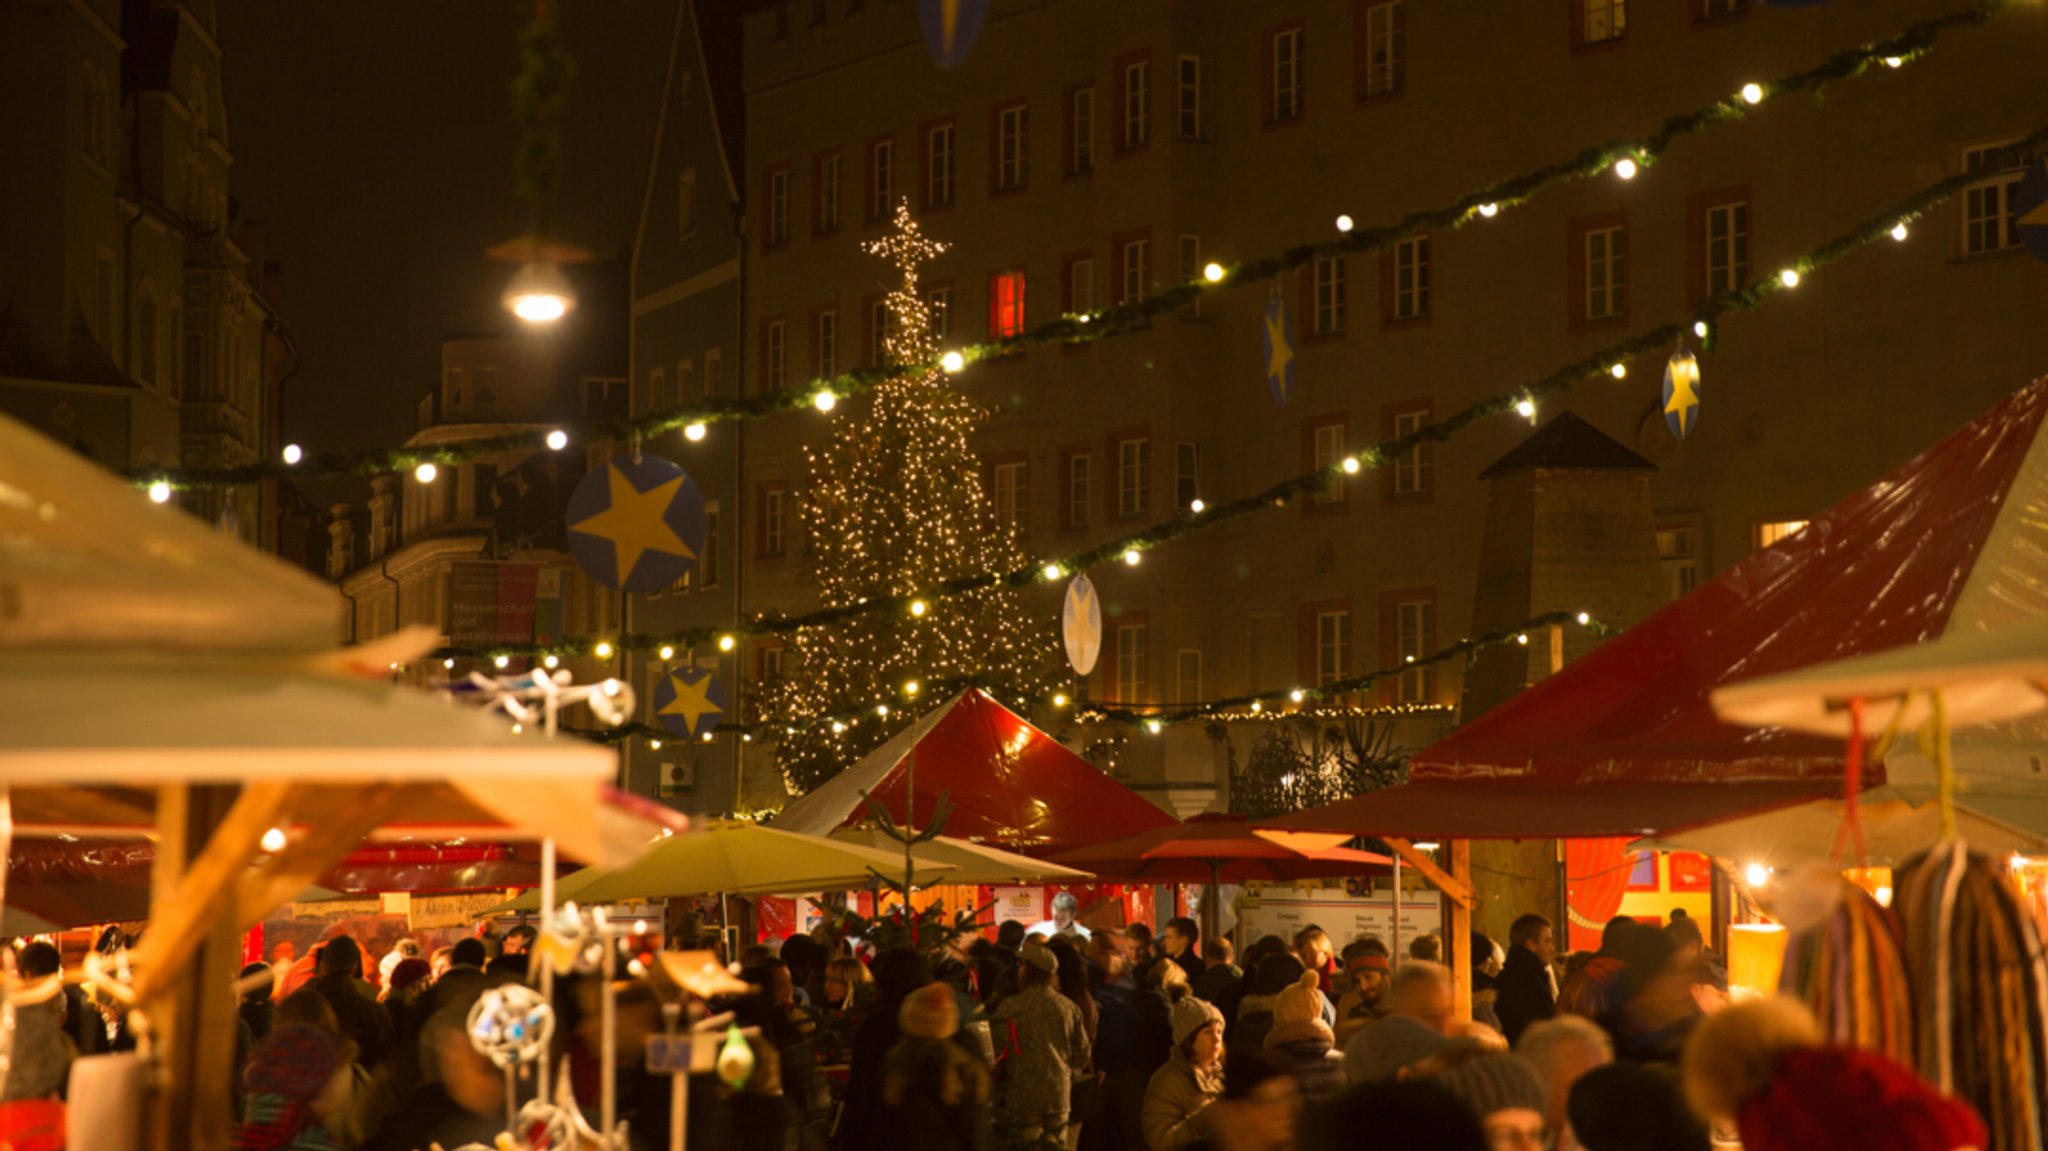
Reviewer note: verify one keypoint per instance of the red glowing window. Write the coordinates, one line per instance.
(1005, 305)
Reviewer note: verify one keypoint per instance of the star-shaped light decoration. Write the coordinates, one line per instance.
(637, 524)
(1279, 349)
(689, 701)
(1682, 392)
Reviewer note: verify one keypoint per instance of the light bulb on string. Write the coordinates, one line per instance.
(1344, 224)
(1489, 209)
(1585, 619)
(1153, 726)
(1753, 93)
(426, 473)
(1789, 277)
(159, 492)
(1131, 556)
(1625, 168)
(952, 362)
(667, 652)
(1618, 370)
(882, 709)
(726, 643)
(1197, 505)
(550, 662)
(693, 432)
(824, 400)
(1213, 272)
(1054, 571)
(1523, 639)
(603, 650)
(1526, 408)
(1350, 465)
(1899, 231)
(1059, 699)
(838, 728)
(501, 662)
(273, 840)
(655, 744)
(1296, 695)
(449, 663)
(557, 440)
(707, 737)
(293, 454)
(1699, 328)
(912, 687)
(1257, 707)
(1894, 61)
(918, 608)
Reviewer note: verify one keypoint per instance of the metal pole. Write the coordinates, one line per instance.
(1397, 913)
(547, 969)
(608, 1086)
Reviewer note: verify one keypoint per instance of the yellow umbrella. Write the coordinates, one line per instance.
(974, 863)
(732, 857)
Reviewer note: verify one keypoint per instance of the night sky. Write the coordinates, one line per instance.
(375, 138)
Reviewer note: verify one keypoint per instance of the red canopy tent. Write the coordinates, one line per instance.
(1010, 784)
(1624, 742)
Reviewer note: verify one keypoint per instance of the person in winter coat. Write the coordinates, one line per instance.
(1181, 1091)
(937, 1093)
(1301, 1038)
(1765, 1066)
(1368, 970)
(1312, 946)
(1590, 991)
(1525, 992)
(863, 1125)
(297, 1085)
(1049, 1051)
(1484, 961)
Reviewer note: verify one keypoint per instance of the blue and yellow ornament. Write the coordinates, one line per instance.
(950, 28)
(1682, 392)
(637, 524)
(689, 701)
(1278, 343)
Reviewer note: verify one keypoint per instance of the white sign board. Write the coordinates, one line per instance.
(1282, 911)
(1026, 905)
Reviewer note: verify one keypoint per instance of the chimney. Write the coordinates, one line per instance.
(383, 516)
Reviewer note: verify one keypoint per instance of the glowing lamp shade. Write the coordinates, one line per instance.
(1756, 952)
(539, 293)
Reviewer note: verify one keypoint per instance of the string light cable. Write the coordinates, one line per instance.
(1595, 366)
(1882, 56)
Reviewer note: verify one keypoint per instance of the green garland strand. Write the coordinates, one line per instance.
(537, 101)
(1870, 230)
(1155, 718)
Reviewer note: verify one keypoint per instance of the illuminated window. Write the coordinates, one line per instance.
(1603, 20)
(1005, 304)
(1775, 531)
(1678, 554)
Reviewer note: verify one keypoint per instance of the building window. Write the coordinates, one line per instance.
(484, 400)
(707, 563)
(1079, 286)
(1187, 475)
(1770, 532)
(825, 343)
(1678, 554)
(1410, 476)
(1190, 103)
(1134, 257)
(1599, 273)
(768, 661)
(775, 354)
(1989, 222)
(1415, 638)
(881, 179)
(1704, 10)
(1006, 304)
(1327, 450)
(1333, 646)
(774, 520)
(657, 388)
(1283, 70)
(1727, 254)
(1328, 277)
(1081, 131)
(686, 382)
(484, 478)
(879, 324)
(1130, 663)
(148, 345)
(1601, 21)
(686, 204)
(714, 361)
(939, 309)
(778, 208)
(1136, 92)
(1010, 148)
(1407, 283)
(1381, 32)
(1187, 675)
(938, 166)
(1133, 477)
(1076, 476)
(1012, 507)
(825, 186)
(1191, 270)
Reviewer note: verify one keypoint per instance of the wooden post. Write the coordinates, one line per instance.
(1460, 929)
(193, 1020)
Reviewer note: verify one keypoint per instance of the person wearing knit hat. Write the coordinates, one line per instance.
(1363, 984)
(1181, 1091)
(1632, 1107)
(298, 1082)
(1387, 1047)
(1765, 1065)
(1505, 1095)
(937, 1092)
(1275, 973)
(1300, 1036)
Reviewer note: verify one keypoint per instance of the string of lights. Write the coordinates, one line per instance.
(1621, 158)
(1610, 362)
(1323, 701)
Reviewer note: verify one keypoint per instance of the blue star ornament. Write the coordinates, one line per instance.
(2030, 208)
(689, 701)
(1278, 342)
(637, 524)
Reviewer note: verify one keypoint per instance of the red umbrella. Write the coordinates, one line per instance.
(1219, 848)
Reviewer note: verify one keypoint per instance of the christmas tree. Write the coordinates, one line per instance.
(896, 507)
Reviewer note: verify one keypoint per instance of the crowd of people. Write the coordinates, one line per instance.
(1066, 1039)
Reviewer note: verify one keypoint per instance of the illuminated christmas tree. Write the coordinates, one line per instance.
(896, 507)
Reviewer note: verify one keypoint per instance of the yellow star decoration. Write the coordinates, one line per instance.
(1683, 399)
(692, 701)
(1276, 335)
(634, 522)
